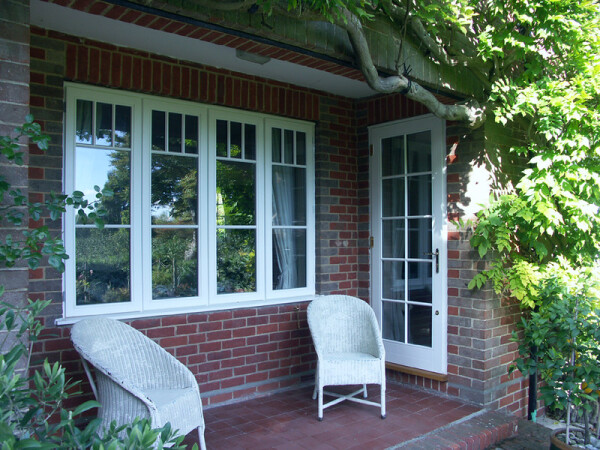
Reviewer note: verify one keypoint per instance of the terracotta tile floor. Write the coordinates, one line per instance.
(288, 420)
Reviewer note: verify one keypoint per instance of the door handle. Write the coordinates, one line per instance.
(437, 259)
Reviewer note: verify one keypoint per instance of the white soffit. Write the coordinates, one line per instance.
(78, 23)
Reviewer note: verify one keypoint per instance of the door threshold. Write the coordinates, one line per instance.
(418, 372)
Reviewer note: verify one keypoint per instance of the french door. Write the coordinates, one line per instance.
(409, 286)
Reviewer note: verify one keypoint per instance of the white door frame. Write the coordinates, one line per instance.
(432, 359)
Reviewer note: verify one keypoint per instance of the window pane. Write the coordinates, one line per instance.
(174, 190)
(122, 126)
(419, 195)
(419, 325)
(235, 150)
(393, 321)
(105, 169)
(289, 195)
(288, 147)
(393, 197)
(393, 280)
(419, 238)
(300, 148)
(276, 144)
(419, 152)
(191, 134)
(392, 156)
(236, 193)
(103, 124)
(175, 132)
(102, 265)
(393, 238)
(83, 127)
(222, 138)
(158, 130)
(250, 141)
(289, 258)
(174, 263)
(419, 282)
(236, 261)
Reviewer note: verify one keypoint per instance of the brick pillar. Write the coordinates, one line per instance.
(480, 323)
(14, 106)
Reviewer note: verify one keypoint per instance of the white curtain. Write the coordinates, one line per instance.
(283, 214)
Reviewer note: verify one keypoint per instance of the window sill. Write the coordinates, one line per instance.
(188, 310)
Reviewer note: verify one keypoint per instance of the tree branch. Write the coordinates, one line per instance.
(470, 112)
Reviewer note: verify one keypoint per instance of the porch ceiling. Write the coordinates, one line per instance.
(93, 26)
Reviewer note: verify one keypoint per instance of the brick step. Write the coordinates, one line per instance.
(478, 431)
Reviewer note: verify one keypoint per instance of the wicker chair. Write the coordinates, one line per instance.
(135, 377)
(349, 348)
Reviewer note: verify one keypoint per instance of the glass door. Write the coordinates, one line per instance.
(409, 252)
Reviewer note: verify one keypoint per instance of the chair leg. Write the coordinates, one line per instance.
(314, 396)
(383, 413)
(320, 414)
(364, 391)
(201, 436)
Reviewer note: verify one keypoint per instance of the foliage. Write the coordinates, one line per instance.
(559, 339)
(31, 400)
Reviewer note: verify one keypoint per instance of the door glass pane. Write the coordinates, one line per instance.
(158, 130)
(174, 263)
(122, 126)
(393, 238)
(419, 238)
(222, 138)
(102, 265)
(419, 195)
(83, 127)
(236, 193)
(419, 325)
(419, 282)
(104, 124)
(419, 152)
(191, 134)
(174, 189)
(249, 142)
(393, 321)
(106, 169)
(175, 132)
(236, 261)
(289, 258)
(392, 156)
(393, 280)
(289, 195)
(393, 197)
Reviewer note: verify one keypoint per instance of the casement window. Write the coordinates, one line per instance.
(212, 207)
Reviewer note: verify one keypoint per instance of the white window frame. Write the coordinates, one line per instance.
(141, 303)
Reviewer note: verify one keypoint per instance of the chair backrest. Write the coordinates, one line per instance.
(122, 352)
(341, 323)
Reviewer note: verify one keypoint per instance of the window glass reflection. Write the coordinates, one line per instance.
(236, 193)
(102, 266)
(174, 263)
(236, 261)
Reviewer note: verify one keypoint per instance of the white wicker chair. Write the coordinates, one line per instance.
(349, 348)
(135, 377)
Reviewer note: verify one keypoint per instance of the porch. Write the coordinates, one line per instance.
(415, 419)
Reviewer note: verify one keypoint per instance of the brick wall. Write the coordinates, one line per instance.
(14, 106)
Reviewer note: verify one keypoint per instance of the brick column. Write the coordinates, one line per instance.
(14, 106)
